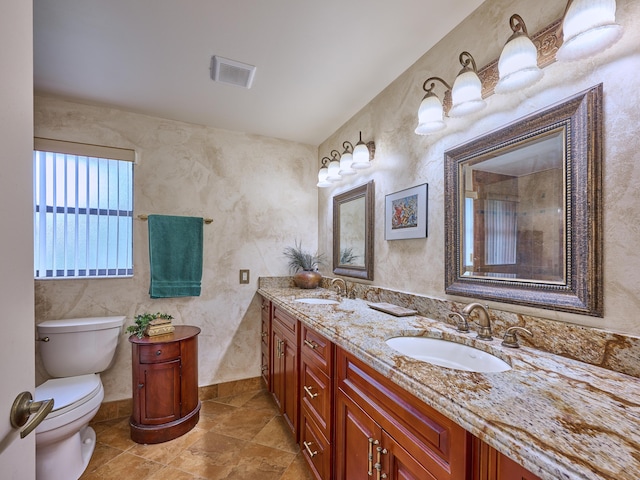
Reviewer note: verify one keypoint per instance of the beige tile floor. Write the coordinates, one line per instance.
(239, 437)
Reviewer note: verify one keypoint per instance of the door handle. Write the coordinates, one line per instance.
(23, 407)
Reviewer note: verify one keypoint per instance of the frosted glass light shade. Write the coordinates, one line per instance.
(588, 28)
(518, 65)
(334, 171)
(466, 94)
(360, 156)
(322, 178)
(430, 115)
(345, 165)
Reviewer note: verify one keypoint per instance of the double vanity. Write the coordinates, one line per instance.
(364, 401)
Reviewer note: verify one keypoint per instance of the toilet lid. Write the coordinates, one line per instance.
(68, 391)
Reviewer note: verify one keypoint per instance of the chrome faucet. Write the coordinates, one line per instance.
(484, 322)
(342, 290)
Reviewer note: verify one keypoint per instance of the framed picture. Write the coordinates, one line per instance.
(406, 214)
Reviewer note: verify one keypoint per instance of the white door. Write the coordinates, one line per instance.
(17, 357)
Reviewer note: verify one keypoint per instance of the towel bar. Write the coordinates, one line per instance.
(206, 220)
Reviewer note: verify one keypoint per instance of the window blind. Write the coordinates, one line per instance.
(83, 210)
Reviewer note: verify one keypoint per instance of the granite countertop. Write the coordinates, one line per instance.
(559, 418)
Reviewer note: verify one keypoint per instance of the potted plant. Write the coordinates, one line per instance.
(304, 265)
(142, 322)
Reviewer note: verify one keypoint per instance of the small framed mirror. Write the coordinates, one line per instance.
(353, 227)
(523, 210)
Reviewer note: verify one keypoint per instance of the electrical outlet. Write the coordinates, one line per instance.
(244, 276)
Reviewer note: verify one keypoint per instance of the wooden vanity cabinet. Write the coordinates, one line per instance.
(383, 431)
(316, 400)
(265, 343)
(165, 385)
(285, 332)
(353, 423)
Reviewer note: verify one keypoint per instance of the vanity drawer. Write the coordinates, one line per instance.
(289, 322)
(315, 448)
(317, 349)
(315, 395)
(159, 352)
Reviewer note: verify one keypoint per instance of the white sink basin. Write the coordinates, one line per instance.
(317, 301)
(448, 354)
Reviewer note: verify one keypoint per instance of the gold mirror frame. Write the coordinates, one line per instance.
(366, 270)
(580, 119)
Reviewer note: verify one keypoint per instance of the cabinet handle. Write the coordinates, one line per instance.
(307, 446)
(159, 352)
(372, 442)
(264, 368)
(309, 392)
(140, 385)
(311, 345)
(283, 348)
(378, 465)
(264, 334)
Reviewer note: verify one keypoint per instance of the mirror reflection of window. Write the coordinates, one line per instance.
(501, 232)
(468, 235)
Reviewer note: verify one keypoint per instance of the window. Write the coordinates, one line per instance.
(83, 210)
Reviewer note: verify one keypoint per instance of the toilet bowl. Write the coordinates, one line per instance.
(64, 440)
(75, 351)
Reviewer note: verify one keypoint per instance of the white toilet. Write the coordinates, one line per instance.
(74, 351)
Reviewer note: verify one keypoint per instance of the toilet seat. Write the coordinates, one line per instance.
(72, 396)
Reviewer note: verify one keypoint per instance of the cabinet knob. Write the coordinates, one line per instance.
(159, 352)
(140, 385)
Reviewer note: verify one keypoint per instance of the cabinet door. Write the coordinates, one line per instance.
(290, 398)
(397, 463)
(355, 441)
(277, 364)
(159, 389)
(284, 374)
(265, 336)
(489, 464)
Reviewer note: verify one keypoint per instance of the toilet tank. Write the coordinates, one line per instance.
(78, 346)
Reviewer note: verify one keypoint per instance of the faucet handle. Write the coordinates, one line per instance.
(463, 324)
(511, 336)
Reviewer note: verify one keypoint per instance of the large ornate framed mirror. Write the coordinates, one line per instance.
(353, 227)
(523, 210)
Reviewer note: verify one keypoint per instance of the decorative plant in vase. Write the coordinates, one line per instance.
(304, 266)
(143, 321)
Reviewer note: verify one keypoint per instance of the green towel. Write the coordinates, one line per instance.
(175, 256)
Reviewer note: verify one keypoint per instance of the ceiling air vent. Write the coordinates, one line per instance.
(229, 71)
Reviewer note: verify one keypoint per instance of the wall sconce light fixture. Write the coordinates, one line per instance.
(352, 159)
(518, 64)
(589, 27)
(346, 160)
(431, 111)
(362, 156)
(466, 94)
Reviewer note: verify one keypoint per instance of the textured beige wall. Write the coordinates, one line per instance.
(260, 193)
(404, 159)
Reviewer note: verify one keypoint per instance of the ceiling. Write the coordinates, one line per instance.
(318, 62)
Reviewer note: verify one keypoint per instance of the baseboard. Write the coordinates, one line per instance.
(123, 408)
